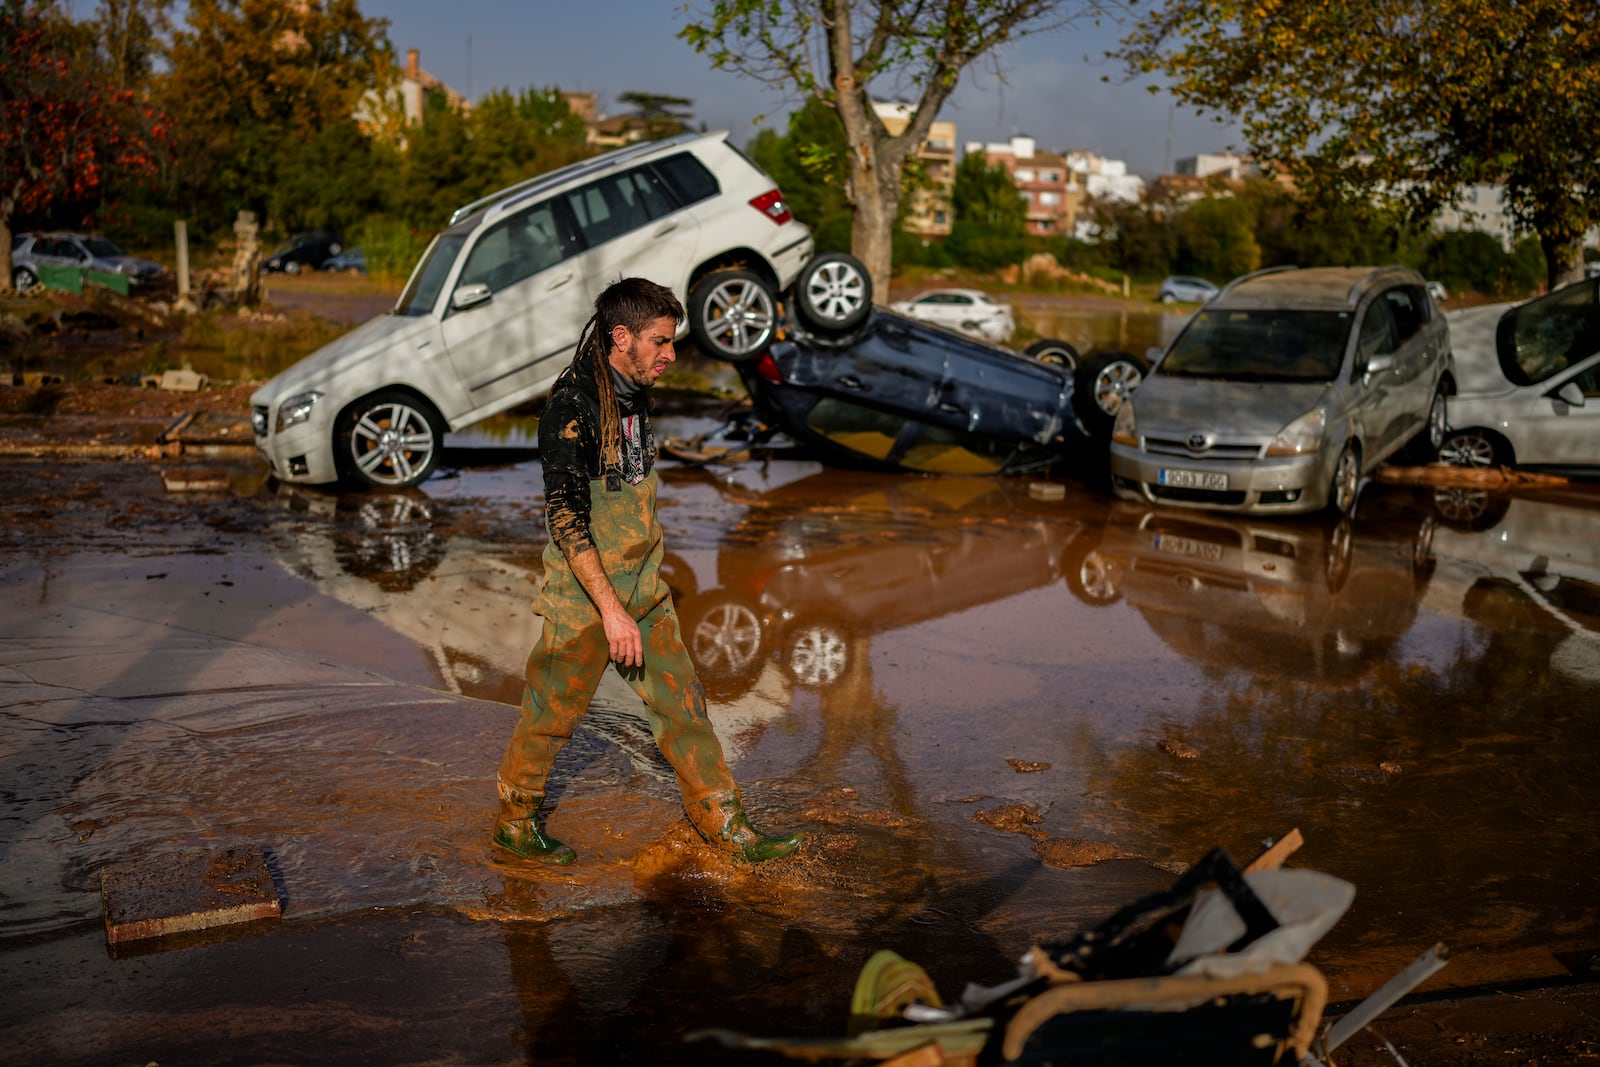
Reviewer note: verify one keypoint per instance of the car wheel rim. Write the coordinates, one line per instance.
(836, 290)
(817, 657)
(1345, 478)
(1101, 578)
(1467, 450)
(1460, 505)
(392, 444)
(1114, 384)
(739, 316)
(727, 639)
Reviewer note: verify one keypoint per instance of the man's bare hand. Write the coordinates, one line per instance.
(622, 634)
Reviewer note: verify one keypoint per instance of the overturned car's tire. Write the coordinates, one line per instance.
(833, 293)
(1104, 383)
(1057, 353)
(733, 314)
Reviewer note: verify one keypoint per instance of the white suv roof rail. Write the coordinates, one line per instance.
(604, 161)
(1253, 274)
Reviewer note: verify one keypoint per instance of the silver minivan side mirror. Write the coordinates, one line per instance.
(470, 295)
(1379, 364)
(1571, 394)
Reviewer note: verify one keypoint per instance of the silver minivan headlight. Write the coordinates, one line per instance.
(1125, 431)
(297, 409)
(1302, 436)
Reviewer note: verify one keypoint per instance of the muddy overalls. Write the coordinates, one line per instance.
(572, 652)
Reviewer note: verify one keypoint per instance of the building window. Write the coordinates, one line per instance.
(1049, 199)
(1051, 176)
(1024, 174)
(940, 218)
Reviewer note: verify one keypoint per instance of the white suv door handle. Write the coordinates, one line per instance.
(559, 282)
(666, 228)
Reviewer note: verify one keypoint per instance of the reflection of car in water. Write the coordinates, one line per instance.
(1300, 598)
(809, 573)
(466, 602)
(1532, 559)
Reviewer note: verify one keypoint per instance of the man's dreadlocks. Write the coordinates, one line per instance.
(634, 303)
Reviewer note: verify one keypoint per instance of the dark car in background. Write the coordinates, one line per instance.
(304, 251)
(351, 260)
(870, 387)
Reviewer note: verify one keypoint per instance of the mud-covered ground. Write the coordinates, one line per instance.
(999, 718)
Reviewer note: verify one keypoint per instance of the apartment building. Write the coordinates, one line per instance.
(1053, 198)
(929, 213)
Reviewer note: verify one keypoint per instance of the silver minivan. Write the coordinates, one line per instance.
(494, 308)
(1285, 390)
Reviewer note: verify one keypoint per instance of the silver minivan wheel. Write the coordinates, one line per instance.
(1346, 478)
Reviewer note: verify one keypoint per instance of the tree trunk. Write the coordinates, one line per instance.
(1562, 263)
(7, 202)
(875, 193)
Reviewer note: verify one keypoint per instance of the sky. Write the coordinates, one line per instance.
(1048, 86)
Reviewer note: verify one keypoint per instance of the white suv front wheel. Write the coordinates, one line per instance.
(389, 440)
(733, 314)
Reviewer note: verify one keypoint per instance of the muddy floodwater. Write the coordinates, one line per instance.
(1000, 719)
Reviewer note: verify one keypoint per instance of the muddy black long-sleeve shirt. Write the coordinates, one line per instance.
(569, 452)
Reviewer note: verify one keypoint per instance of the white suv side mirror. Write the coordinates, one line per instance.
(1570, 394)
(470, 295)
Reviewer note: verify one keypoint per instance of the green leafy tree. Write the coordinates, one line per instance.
(253, 85)
(657, 115)
(65, 128)
(1216, 238)
(835, 50)
(991, 221)
(808, 163)
(1414, 98)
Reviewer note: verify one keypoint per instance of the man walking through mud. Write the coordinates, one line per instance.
(603, 598)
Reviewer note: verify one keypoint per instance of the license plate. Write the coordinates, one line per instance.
(1188, 546)
(1194, 479)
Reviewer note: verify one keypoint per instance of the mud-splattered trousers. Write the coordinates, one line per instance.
(572, 652)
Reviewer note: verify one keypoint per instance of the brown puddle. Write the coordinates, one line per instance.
(331, 677)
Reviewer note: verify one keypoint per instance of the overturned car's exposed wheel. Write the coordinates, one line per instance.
(732, 314)
(23, 279)
(1058, 353)
(833, 293)
(1104, 383)
(390, 440)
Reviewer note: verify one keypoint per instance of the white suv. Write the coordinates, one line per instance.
(493, 311)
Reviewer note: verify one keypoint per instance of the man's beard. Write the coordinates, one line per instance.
(637, 371)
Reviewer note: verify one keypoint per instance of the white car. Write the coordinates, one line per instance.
(969, 310)
(1528, 383)
(493, 311)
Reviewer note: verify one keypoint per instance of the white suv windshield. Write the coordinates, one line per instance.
(1260, 346)
(428, 279)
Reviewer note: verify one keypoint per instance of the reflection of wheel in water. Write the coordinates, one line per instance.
(1465, 508)
(1423, 561)
(726, 639)
(1094, 577)
(1338, 549)
(390, 541)
(818, 654)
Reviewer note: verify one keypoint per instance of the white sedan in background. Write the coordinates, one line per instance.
(969, 310)
(1528, 383)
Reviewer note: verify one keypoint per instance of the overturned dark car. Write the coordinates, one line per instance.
(866, 386)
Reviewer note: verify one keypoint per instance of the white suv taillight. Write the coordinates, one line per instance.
(771, 205)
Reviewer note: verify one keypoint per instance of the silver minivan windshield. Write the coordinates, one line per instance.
(1256, 345)
(422, 294)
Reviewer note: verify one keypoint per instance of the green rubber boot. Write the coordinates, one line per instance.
(721, 820)
(517, 829)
